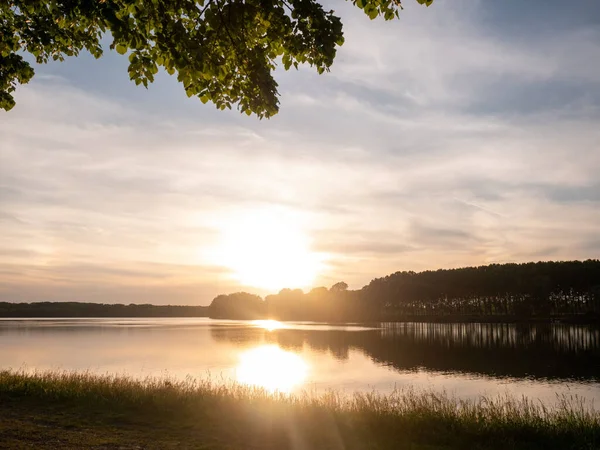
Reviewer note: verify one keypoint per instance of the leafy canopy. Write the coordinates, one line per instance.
(222, 51)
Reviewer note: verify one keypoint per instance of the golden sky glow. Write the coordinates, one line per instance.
(267, 249)
(390, 162)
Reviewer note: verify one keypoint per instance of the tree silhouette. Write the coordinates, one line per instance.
(339, 287)
(540, 289)
(81, 309)
(566, 290)
(497, 292)
(240, 305)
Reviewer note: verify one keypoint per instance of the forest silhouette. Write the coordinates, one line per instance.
(531, 291)
(542, 291)
(90, 310)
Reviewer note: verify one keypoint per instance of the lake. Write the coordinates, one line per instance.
(465, 360)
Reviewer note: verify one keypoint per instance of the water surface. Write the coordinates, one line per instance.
(466, 360)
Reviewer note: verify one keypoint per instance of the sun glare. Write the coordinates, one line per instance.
(271, 368)
(269, 250)
(269, 325)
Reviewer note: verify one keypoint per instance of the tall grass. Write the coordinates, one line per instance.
(400, 417)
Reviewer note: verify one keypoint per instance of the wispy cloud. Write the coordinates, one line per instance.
(436, 141)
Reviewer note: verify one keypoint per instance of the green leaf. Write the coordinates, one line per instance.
(228, 61)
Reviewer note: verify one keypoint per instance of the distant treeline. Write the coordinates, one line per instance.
(76, 309)
(498, 292)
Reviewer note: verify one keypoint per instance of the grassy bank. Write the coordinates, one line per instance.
(81, 410)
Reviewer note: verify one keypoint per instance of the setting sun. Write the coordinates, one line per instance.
(269, 250)
(271, 368)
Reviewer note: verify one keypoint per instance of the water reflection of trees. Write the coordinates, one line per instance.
(504, 350)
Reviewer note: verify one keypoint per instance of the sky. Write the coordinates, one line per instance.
(466, 133)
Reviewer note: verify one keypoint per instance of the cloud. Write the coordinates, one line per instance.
(455, 136)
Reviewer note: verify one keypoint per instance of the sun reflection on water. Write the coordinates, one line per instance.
(271, 368)
(269, 324)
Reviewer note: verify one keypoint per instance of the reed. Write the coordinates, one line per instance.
(205, 413)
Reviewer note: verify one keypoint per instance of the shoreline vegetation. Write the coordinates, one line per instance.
(56, 310)
(81, 410)
(542, 292)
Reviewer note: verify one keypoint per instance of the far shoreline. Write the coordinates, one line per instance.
(581, 319)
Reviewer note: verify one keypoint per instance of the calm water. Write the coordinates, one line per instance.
(463, 359)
